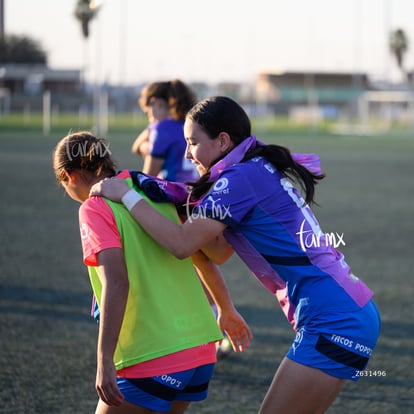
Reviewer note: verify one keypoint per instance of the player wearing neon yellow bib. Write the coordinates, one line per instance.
(181, 318)
(157, 333)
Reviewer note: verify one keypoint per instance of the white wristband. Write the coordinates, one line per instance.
(130, 198)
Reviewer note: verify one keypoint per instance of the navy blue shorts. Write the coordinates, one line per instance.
(340, 347)
(158, 393)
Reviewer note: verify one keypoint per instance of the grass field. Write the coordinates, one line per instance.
(47, 339)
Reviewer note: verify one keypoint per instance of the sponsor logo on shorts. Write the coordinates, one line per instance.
(298, 339)
(351, 344)
(170, 381)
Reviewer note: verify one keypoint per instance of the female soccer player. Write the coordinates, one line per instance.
(157, 334)
(250, 192)
(162, 143)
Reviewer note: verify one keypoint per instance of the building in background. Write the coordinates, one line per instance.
(305, 97)
(309, 94)
(30, 79)
(25, 85)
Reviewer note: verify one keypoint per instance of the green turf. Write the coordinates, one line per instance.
(47, 339)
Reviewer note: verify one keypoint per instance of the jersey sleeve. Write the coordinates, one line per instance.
(159, 141)
(168, 135)
(230, 200)
(98, 229)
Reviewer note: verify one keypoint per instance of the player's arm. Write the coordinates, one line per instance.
(230, 321)
(182, 240)
(218, 250)
(152, 165)
(115, 286)
(140, 145)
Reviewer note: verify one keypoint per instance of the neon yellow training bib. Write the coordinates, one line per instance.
(167, 310)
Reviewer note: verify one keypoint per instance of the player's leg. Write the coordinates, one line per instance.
(150, 395)
(179, 407)
(298, 389)
(196, 389)
(125, 408)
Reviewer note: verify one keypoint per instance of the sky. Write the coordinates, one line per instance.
(134, 41)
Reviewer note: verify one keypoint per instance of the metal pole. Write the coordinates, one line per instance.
(1, 18)
(46, 113)
(387, 28)
(122, 42)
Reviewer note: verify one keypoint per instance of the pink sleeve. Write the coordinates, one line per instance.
(98, 229)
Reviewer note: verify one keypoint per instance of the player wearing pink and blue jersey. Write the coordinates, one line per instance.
(276, 234)
(249, 192)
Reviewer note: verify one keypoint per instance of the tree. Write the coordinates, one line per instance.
(85, 11)
(21, 49)
(398, 47)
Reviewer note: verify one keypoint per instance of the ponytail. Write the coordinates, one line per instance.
(200, 187)
(220, 113)
(282, 159)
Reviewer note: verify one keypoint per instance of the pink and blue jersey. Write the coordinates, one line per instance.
(278, 237)
(167, 142)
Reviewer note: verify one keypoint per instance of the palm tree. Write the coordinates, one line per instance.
(398, 47)
(85, 11)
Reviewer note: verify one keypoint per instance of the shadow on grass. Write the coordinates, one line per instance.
(43, 302)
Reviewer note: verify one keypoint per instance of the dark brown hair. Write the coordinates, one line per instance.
(83, 151)
(179, 96)
(222, 114)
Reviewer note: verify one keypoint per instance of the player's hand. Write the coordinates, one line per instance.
(106, 385)
(237, 330)
(112, 188)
